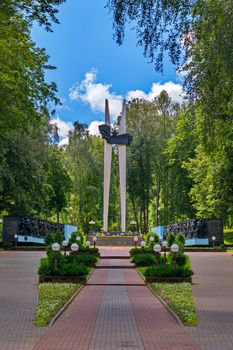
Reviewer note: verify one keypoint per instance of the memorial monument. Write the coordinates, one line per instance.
(121, 139)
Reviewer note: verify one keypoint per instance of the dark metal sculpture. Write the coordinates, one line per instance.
(197, 228)
(114, 138)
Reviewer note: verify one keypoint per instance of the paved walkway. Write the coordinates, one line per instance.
(18, 298)
(213, 292)
(116, 311)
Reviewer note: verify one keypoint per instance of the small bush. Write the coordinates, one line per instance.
(89, 251)
(72, 270)
(180, 239)
(7, 245)
(88, 260)
(181, 258)
(53, 237)
(45, 268)
(73, 239)
(144, 260)
(171, 239)
(156, 240)
(138, 251)
(168, 271)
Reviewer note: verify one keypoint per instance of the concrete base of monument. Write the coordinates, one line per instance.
(115, 241)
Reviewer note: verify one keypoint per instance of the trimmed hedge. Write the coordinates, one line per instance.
(167, 271)
(144, 260)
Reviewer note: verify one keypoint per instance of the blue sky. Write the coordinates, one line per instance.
(91, 66)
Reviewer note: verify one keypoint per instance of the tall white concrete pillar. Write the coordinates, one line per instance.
(107, 170)
(122, 168)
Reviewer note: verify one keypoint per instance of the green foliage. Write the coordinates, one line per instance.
(91, 251)
(180, 299)
(156, 239)
(88, 260)
(180, 238)
(168, 271)
(74, 240)
(138, 251)
(64, 268)
(170, 239)
(228, 236)
(51, 297)
(53, 237)
(144, 259)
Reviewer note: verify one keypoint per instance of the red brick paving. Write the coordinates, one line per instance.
(116, 317)
(157, 327)
(73, 331)
(115, 262)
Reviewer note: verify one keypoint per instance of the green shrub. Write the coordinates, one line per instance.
(144, 260)
(45, 269)
(168, 271)
(63, 269)
(181, 258)
(73, 239)
(7, 245)
(156, 240)
(137, 251)
(180, 239)
(170, 239)
(72, 270)
(89, 251)
(88, 260)
(53, 237)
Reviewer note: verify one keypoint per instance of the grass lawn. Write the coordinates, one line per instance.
(179, 297)
(51, 298)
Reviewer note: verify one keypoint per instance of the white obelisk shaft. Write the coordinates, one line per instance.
(122, 169)
(107, 170)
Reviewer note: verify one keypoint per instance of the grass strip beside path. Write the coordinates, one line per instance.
(179, 297)
(51, 298)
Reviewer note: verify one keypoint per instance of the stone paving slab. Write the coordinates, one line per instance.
(115, 262)
(115, 325)
(114, 251)
(18, 299)
(213, 293)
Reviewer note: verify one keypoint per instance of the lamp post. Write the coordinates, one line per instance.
(55, 248)
(152, 239)
(74, 247)
(64, 245)
(213, 240)
(88, 243)
(92, 222)
(16, 239)
(94, 241)
(143, 243)
(157, 249)
(133, 223)
(135, 241)
(164, 245)
(174, 249)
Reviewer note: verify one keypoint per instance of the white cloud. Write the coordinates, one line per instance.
(93, 128)
(63, 127)
(173, 90)
(94, 94)
(64, 141)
